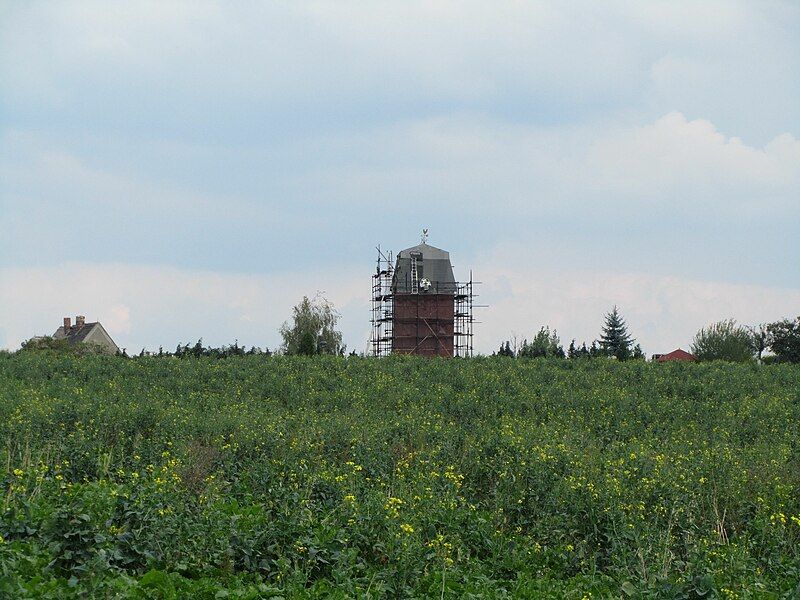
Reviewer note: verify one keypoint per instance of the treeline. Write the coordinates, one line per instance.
(62, 346)
(198, 349)
(615, 341)
(724, 340)
(313, 330)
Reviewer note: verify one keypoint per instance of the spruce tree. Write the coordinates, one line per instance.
(505, 350)
(615, 340)
(572, 351)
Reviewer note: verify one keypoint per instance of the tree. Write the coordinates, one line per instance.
(313, 329)
(505, 350)
(61, 346)
(784, 340)
(572, 351)
(47, 343)
(724, 340)
(544, 344)
(759, 338)
(615, 340)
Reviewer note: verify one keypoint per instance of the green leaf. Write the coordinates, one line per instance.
(629, 588)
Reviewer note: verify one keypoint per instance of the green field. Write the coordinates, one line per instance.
(257, 477)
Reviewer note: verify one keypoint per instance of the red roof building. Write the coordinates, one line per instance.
(675, 355)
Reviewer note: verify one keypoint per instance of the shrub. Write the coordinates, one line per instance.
(724, 340)
(784, 338)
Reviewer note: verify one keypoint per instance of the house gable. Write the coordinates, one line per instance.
(99, 336)
(87, 333)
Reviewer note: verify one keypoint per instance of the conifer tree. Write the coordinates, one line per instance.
(572, 352)
(505, 350)
(615, 340)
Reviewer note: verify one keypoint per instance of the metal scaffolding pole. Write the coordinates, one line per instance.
(382, 305)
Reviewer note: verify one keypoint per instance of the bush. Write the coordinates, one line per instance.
(60, 346)
(544, 344)
(724, 340)
(784, 337)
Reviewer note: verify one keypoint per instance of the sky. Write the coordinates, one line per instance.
(179, 170)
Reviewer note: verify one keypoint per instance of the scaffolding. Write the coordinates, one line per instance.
(382, 305)
(464, 319)
(383, 310)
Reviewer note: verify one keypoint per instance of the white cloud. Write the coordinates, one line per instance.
(670, 189)
(465, 160)
(446, 49)
(471, 161)
(531, 59)
(692, 160)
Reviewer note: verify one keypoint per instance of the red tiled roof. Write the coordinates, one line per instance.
(676, 355)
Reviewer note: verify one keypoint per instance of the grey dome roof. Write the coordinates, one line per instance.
(427, 252)
(433, 264)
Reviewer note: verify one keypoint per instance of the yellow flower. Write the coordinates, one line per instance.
(406, 528)
(778, 518)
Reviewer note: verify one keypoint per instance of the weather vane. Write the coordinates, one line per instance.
(424, 236)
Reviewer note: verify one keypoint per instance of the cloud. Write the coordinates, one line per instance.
(688, 161)
(264, 51)
(468, 154)
(232, 72)
(673, 194)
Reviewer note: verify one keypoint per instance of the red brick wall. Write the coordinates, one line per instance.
(423, 324)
